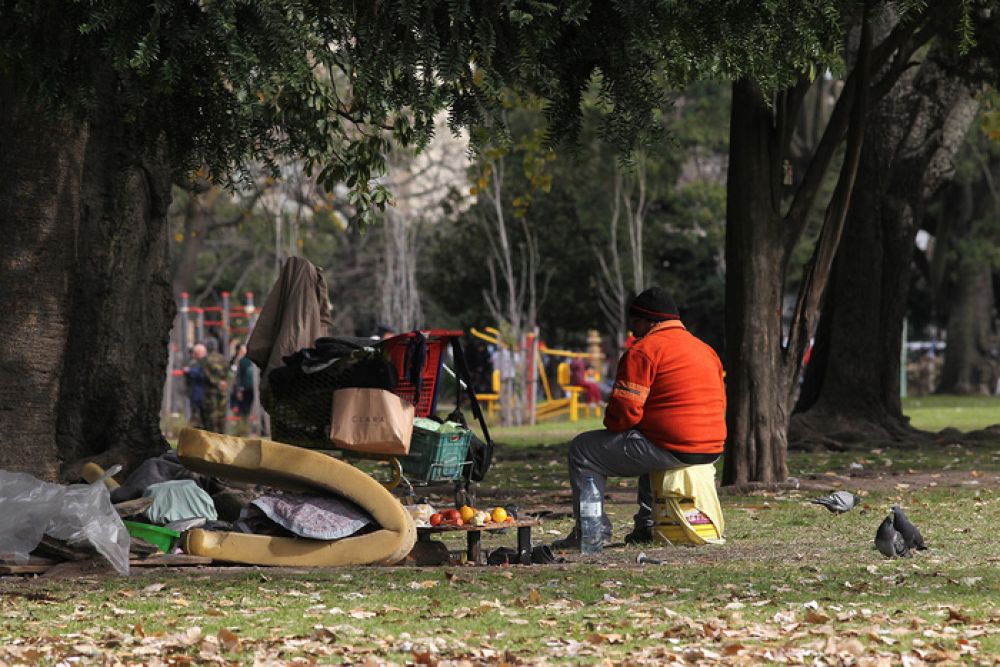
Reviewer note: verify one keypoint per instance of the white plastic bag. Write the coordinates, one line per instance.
(421, 514)
(78, 514)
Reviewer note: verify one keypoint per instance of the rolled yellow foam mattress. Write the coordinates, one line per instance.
(291, 468)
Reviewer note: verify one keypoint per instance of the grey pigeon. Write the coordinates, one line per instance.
(911, 534)
(838, 502)
(888, 540)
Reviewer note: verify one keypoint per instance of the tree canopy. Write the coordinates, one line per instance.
(220, 83)
(103, 102)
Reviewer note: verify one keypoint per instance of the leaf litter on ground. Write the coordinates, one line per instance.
(790, 585)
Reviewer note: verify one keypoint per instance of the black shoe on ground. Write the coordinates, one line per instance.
(572, 541)
(640, 535)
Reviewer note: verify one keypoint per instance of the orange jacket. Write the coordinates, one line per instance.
(669, 387)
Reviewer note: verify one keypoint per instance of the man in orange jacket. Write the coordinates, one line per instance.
(667, 411)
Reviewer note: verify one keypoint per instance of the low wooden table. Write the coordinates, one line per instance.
(473, 534)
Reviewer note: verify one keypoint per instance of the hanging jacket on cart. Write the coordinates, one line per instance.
(295, 314)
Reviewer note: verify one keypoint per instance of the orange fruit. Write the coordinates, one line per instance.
(467, 513)
(499, 515)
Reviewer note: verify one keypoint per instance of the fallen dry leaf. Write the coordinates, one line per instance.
(816, 617)
(956, 615)
(229, 640)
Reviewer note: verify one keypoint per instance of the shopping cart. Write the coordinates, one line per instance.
(300, 410)
(418, 357)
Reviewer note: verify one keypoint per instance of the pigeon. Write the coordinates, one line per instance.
(911, 534)
(888, 540)
(838, 502)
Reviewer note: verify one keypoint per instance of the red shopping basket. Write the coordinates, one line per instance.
(417, 356)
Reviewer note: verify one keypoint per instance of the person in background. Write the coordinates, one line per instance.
(478, 361)
(667, 411)
(195, 377)
(578, 378)
(216, 372)
(242, 397)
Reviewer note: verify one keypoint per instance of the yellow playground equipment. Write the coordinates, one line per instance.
(492, 399)
(567, 403)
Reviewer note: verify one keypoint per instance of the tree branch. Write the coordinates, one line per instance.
(805, 196)
(818, 271)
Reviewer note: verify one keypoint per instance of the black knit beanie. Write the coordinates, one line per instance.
(654, 304)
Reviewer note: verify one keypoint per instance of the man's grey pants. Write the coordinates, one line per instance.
(602, 454)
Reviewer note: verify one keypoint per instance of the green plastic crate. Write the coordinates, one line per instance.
(436, 457)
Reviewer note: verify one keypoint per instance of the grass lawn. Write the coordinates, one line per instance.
(965, 413)
(793, 583)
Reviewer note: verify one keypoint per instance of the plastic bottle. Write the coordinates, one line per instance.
(591, 512)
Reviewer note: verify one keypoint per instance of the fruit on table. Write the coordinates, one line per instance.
(436, 519)
(499, 514)
(451, 514)
(467, 513)
(481, 518)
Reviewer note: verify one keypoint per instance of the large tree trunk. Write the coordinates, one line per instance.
(763, 359)
(756, 384)
(965, 287)
(968, 366)
(197, 215)
(83, 288)
(851, 389)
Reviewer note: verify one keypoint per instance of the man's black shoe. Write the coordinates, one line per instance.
(572, 541)
(640, 535)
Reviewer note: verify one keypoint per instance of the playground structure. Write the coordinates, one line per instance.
(569, 402)
(227, 322)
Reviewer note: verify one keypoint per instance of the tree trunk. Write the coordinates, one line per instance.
(84, 291)
(197, 214)
(851, 389)
(853, 375)
(399, 295)
(763, 362)
(963, 260)
(756, 384)
(968, 366)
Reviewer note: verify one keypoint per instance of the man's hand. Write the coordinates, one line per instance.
(222, 385)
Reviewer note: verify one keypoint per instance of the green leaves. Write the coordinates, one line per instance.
(227, 83)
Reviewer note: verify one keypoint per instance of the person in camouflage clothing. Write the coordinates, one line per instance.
(216, 375)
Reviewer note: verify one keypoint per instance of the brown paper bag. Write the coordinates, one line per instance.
(374, 421)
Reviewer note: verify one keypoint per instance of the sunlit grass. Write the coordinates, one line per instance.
(965, 413)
